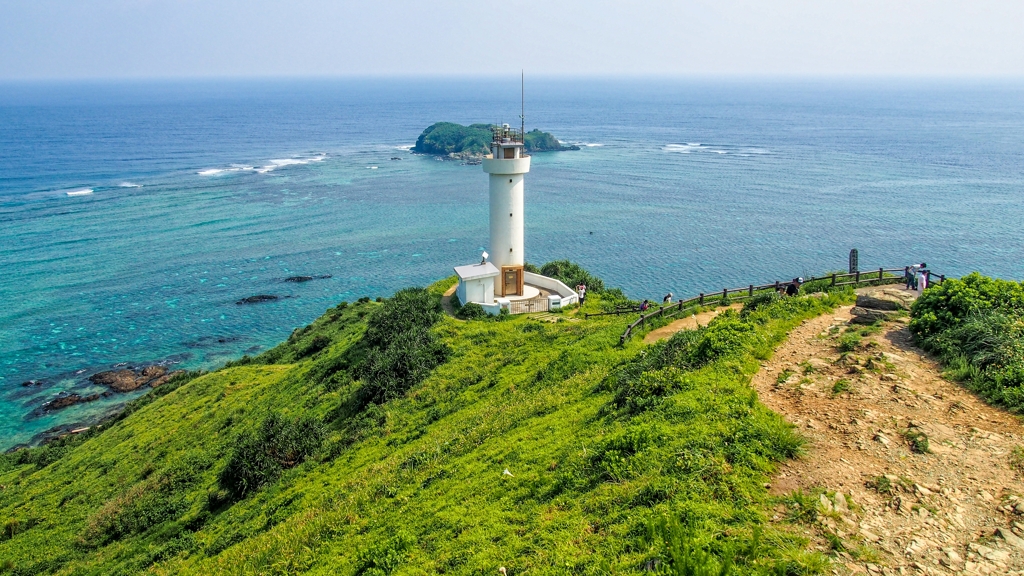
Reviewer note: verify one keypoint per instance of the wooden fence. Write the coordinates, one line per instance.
(872, 278)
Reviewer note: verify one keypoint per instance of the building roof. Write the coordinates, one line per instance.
(474, 271)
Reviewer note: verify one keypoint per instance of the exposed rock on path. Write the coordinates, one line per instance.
(911, 473)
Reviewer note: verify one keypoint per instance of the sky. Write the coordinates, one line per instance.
(107, 39)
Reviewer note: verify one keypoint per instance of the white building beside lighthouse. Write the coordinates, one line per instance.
(503, 282)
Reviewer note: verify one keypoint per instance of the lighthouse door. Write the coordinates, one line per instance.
(511, 282)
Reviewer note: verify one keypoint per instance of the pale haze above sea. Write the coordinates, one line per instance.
(134, 215)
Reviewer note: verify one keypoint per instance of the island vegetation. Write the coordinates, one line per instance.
(389, 438)
(451, 139)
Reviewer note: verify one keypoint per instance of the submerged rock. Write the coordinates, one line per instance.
(306, 278)
(65, 399)
(257, 299)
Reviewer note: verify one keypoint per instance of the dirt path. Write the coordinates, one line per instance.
(446, 301)
(954, 510)
(688, 323)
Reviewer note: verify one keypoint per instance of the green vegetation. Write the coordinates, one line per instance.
(840, 386)
(1017, 459)
(475, 139)
(976, 326)
(377, 440)
(917, 440)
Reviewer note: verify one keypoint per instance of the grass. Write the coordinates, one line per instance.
(604, 444)
(1016, 460)
(917, 440)
(840, 386)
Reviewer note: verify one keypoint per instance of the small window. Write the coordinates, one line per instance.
(510, 152)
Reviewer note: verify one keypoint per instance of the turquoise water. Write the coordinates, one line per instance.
(207, 192)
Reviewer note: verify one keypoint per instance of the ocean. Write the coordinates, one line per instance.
(134, 215)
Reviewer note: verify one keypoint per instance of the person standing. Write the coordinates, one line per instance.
(922, 277)
(667, 299)
(581, 291)
(908, 277)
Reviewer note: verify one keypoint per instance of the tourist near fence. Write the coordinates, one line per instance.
(874, 278)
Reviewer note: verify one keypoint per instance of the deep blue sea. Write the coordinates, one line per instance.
(206, 192)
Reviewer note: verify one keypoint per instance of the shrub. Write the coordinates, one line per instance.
(260, 456)
(759, 300)
(471, 311)
(572, 275)
(841, 386)
(976, 326)
(383, 558)
(155, 500)
(401, 349)
(949, 304)
(315, 345)
(880, 484)
(1017, 459)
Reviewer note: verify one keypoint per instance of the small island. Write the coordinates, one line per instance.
(473, 141)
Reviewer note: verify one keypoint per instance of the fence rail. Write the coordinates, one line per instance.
(528, 306)
(875, 277)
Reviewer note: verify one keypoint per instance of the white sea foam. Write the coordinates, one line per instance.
(682, 148)
(372, 167)
(82, 192)
(282, 162)
(130, 185)
(405, 147)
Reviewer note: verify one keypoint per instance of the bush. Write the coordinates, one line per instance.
(401, 349)
(949, 304)
(759, 300)
(976, 326)
(572, 275)
(159, 498)
(259, 457)
(471, 311)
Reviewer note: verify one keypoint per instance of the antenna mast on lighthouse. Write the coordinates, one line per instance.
(522, 100)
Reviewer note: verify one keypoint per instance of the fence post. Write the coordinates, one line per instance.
(751, 291)
(833, 278)
(725, 293)
(776, 285)
(941, 278)
(856, 278)
(880, 270)
(701, 298)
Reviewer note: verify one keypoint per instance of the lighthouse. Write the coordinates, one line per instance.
(507, 168)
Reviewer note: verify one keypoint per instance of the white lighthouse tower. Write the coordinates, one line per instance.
(507, 167)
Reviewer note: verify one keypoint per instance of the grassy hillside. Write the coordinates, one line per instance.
(454, 447)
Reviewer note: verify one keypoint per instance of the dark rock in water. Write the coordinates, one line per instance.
(395, 158)
(28, 383)
(119, 380)
(130, 380)
(306, 278)
(257, 299)
(64, 399)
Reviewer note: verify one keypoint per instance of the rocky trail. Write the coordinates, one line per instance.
(904, 471)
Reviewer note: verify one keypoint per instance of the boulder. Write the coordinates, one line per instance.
(163, 379)
(885, 299)
(118, 380)
(863, 315)
(130, 380)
